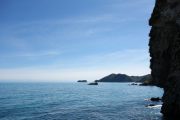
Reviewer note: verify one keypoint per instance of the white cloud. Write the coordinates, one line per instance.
(131, 62)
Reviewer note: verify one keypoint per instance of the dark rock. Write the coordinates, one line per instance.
(134, 84)
(165, 54)
(96, 80)
(155, 99)
(82, 81)
(150, 105)
(93, 83)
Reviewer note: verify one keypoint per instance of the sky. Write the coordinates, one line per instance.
(69, 40)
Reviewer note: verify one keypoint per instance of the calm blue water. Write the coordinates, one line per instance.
(77, 101)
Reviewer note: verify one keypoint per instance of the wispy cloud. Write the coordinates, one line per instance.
(32, 54)
(131, 4)
(110, 17)
(77, 45)
(39, 54)
(65, 75)
(131, 62)
(19, 35)
(125, 57)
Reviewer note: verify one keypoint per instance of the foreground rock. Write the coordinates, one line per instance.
(155, 99)
(165, 54)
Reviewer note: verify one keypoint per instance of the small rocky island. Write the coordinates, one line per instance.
(82, 81)
(93, 83)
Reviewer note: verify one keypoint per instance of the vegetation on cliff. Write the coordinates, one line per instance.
(125, 78)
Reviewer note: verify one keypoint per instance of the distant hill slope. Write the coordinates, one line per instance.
(142, 79)
(145, 78)
(124, 78)
(116, 78)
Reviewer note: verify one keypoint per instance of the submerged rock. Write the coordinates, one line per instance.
(153, 106)
(150, 105)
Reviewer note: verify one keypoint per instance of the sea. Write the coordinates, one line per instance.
(78, 101)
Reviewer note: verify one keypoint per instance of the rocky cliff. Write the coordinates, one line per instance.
(165, 54)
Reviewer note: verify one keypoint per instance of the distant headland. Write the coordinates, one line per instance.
(144, 80)
(119, 78)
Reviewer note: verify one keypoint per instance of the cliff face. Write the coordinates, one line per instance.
(165, 53)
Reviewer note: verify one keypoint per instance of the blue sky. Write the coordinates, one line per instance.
(65, 40)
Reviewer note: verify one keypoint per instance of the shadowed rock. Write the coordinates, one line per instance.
(156, 99)
(165, 54)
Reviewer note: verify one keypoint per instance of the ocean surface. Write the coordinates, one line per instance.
(77, 101)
